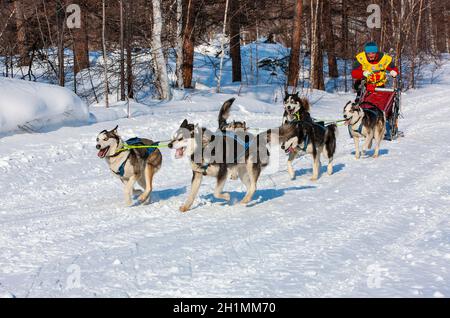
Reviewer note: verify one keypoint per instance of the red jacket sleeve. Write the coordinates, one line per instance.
(357, 72)
(392, 67)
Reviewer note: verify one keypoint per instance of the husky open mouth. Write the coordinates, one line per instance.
(179, 153)
(102, 153)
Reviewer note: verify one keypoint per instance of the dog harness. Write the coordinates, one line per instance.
(236, 138)
(135, 143)
(359, 130)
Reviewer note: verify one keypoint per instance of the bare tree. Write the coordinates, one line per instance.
(222, 46)
(316, 77)
(188, 44)
(81, 42)
(157, 50)
(294, 59)
(329, 41)
(105, 57)
(235, 40)
(122, 51)
(21, 33)
(179, 44)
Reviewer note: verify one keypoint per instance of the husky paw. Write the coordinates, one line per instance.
(143, 198)
(183, 209)
(330, 171)
(314, 179)
(226, 196)
(244, 201)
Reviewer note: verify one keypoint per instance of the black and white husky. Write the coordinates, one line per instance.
(295, 108)
(131, 166)
(365, 123)
(217, 155)
(310, 138)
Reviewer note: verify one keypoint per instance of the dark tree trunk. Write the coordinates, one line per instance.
(188, 43)
(294, 59)
(21, 34)
(81, 43)
(329, 41)
(235, 40)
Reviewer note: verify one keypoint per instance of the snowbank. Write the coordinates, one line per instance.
(34, 106)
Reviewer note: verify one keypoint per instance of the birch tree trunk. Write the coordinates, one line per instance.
(128, 41)
(294, 59)
(105, 58)
(122, 52)
(61, 28)
(416, 44)
(179, 45)
(222, 46)
(431, 29)
(160, 62)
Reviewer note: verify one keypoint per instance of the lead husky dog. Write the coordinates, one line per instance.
(296, 108)
(311, 138)
(367, 123)
(217, 155)
(131, 166)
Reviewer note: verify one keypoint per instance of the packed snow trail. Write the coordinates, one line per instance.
(377, 227)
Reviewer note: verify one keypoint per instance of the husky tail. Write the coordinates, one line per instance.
(330, 139)
(224, 113)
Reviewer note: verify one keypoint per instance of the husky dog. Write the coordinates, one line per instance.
(367, 123)
(311, 138)
(131, 166)
(296, 108)
(216, 155)
(224, 114)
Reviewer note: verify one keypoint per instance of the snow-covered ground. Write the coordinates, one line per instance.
(374, 228)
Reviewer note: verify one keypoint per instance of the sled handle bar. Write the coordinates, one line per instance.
(381, 89)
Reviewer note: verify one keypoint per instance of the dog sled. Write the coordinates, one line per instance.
(388, 101)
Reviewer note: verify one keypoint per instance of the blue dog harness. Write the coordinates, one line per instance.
(136, 141)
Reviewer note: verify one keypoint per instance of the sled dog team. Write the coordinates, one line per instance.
(233, 152)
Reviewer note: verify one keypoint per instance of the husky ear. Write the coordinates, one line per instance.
(114, 131)
(286, 93)
(184, 124)
(296, 94)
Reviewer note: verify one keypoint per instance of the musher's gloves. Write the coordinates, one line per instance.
(393, 73)
(366, 73)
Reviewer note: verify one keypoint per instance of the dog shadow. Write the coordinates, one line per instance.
(260, 196)
(323, 170)
(371, 152)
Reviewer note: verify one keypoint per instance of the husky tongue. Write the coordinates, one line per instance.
(102, 153)
(179, 153)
